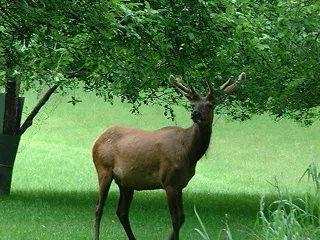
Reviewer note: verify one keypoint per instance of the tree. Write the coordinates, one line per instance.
(59, 44)
(131, 48)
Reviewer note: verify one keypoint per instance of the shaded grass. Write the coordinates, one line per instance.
(55, 188)
(68, 215)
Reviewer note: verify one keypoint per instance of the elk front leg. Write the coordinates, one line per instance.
(125, 199)
(174, 198)
(105, 179)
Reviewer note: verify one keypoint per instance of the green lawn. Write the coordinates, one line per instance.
(54, 186)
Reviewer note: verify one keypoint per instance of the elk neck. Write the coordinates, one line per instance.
(199, 141)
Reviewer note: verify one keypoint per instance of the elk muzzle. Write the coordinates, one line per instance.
(196, 116)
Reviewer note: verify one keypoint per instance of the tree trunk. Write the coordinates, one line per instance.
(8, 150)
(11, 124)
(9, 134)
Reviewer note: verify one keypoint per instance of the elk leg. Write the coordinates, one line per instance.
(126, 195)
(181, 211)
(105, 180)
(174, 198)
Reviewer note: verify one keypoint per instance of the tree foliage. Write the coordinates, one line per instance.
(131, 48)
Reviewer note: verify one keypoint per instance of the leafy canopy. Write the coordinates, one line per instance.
(131, 48)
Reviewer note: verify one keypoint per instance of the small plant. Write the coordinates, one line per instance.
(225, 233)
(293, 220)
(313, 174)
(285, 218)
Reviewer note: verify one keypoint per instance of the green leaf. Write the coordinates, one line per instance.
(191, 35)
(263, 46)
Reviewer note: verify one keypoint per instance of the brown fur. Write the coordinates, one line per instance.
(156, 157)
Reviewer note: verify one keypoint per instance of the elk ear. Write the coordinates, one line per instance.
(210, 95)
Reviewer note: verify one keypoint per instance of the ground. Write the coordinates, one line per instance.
(54, 187)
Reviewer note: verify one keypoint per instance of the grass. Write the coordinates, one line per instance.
(54, 186)
(284, 218)
(295, 219)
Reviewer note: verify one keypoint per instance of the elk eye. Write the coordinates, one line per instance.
(210, 105)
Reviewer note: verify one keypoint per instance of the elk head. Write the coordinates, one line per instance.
(203, 106)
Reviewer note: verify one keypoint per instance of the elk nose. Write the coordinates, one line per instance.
(195, 114)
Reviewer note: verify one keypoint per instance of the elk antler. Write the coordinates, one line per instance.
(210, 87)
(229, 87)
(189, 93)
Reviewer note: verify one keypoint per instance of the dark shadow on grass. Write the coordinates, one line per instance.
(149, 209)
(240, 204)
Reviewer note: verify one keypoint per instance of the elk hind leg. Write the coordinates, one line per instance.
(105, 179)
(125, 199)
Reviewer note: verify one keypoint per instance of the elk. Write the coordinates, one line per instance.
(162, 159)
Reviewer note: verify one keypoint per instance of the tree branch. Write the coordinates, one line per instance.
(29, 120)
